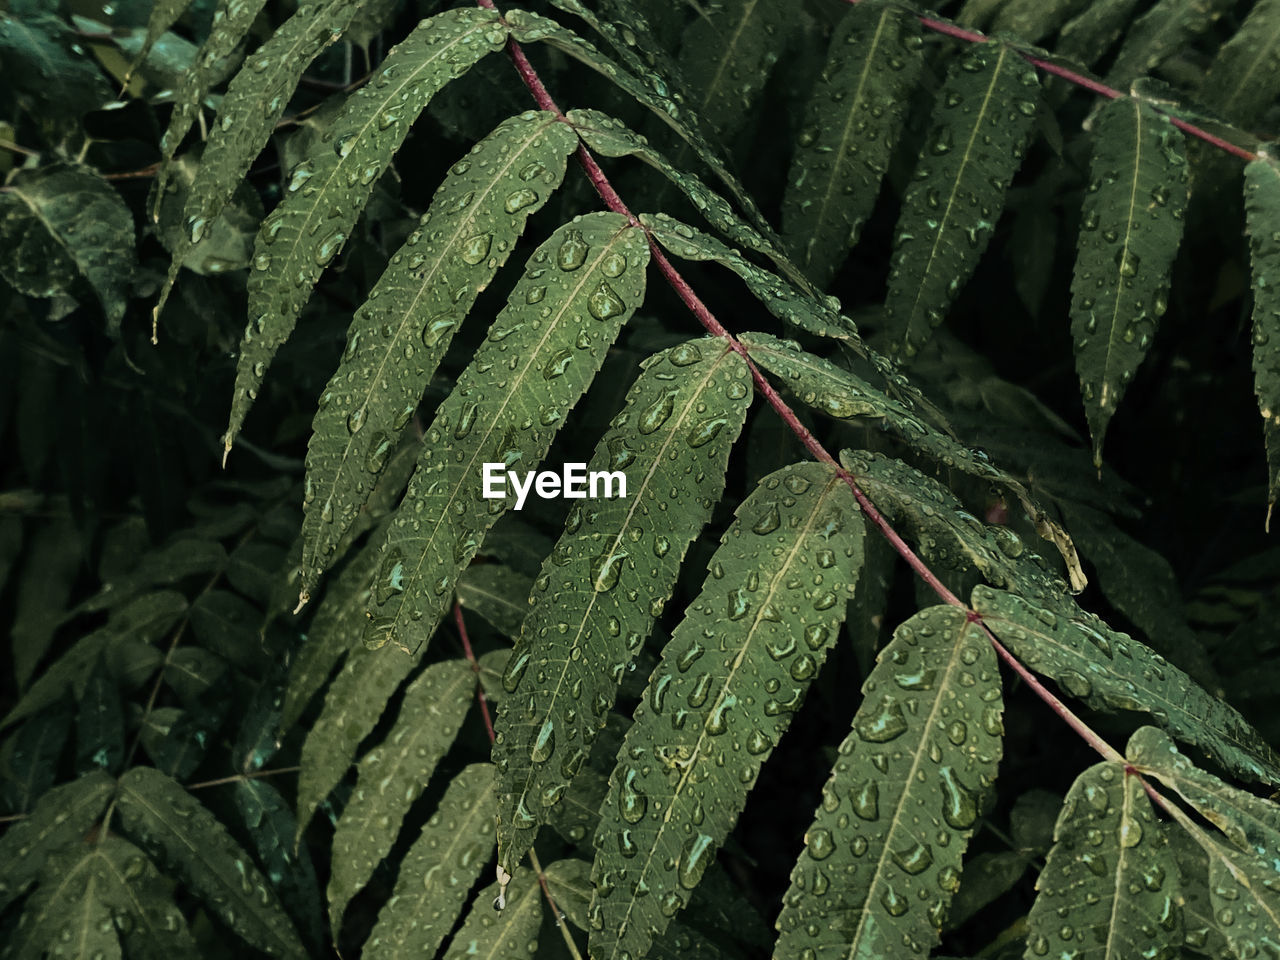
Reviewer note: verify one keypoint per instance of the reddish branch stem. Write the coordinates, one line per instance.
(475, 668)
(713, 326)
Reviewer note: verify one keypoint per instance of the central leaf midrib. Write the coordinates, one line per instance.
(517, 381)
(1112, 346)
(626, 522)
(801, 536)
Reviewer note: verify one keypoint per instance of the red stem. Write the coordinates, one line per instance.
(475, 668)
(713, 326)
(1080, 80)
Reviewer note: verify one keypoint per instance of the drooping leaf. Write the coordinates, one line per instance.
(1262, 209)
(1164, 30)
(851, 124)
(727, 56)
(610, 574)
(439, 870)
(612, 138)
(63, 225)
(490, 934)
(169, 822)
(335, 630)
(99, 725)
(497, 593)
(945, 533)
(882, 856)
(474, 221)
(171, 564)
(735, 670)
(1244, 79)
(44, 586)
(819, 317)
(982, 121)
(29, 758)
(1140, 583)
(327, 191)
(230, 25)
(393, 775)
(60, 819)
(528, 27)
(164, 14)
(1249, 822)
(1033, 20)
(1109, 887)
(1087, 37)
(271, 825)
(1200, 930)
(1117, 672)
(228, 243)
(843, 395)
(1129, 233)
(252, 106)
(578, 289)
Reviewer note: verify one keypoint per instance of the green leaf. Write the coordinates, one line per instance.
(1140, 583)
(1034, 20)
(1163, 31)
(164, 818)
(735, 670)
(138, 623)
(528, 27)
(353, 705)
(727, 57)
(1130, 229)
(164, 14)
(327, 191)
(497, 593)
(1244, 79)
(612, 138)
(489, 934)
(228, 243)
(1087, 37)
(611, 573)
(1201, 932)
(393, 775)
(1249, 822)
(578, 289)
(29, 759)
(335, 630)
(252, 106)
(60, 819)
(44, 587)
(820, 317)
(981, 124)
(945, 533)
(474, 222)
(230, 25)
(882, 856)
(852, 122)
(271, 825)
(439, 870)
(63, 225)
(99, 726)
(1262, 210)
(171, 564)
(569, 882)
(1109, 888)
(1245, 897)
(1116, 672)
(46, 70)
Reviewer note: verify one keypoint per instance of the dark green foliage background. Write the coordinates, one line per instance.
(110, 487)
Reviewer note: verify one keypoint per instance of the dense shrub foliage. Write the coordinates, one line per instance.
(937, 615)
